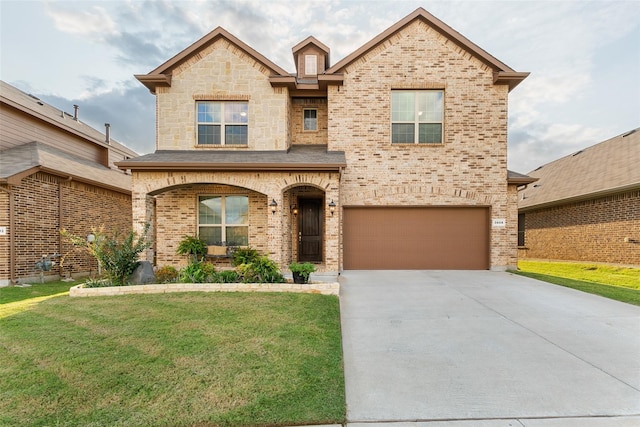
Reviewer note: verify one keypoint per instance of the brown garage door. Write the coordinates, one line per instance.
(441, 238)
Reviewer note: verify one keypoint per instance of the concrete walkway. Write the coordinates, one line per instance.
(485, 349)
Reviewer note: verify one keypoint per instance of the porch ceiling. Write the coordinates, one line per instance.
(303, 158)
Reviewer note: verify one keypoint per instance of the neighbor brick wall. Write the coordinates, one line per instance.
(4, 240)
(39, 199)
(470, 168)
(592, 230)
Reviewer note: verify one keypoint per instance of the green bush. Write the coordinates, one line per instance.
(244, 256)
(197, 272)
(261, 270)
(304, 270)
(226, 276)
(118, 256)
(194, 247)
(166, 274)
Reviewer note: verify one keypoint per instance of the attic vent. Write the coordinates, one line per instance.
(629, 133)
(575, 154)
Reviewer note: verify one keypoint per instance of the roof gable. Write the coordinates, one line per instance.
(161, 75)
(503, 74)
(602, 169)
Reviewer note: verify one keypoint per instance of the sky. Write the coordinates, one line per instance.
(583, 56)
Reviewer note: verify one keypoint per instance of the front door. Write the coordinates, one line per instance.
(310, 230)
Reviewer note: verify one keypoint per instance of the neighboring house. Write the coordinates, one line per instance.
(55, 172)
(395, 157)
(585, 206)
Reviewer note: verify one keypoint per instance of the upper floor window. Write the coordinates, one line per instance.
(310, 119)
(417, 116)
(222, 123)
(224, 220)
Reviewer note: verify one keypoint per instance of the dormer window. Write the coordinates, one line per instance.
(311, 65)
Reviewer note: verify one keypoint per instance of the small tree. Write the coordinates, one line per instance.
(118, 256)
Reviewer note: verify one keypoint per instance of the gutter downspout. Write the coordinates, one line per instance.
(340, 250)
(12, 226)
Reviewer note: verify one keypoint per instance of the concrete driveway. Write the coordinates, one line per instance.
(447, 347)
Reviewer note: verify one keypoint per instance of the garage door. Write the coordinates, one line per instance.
(442, 238)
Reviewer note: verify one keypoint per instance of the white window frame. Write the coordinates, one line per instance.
(222, 123)
(223, 220)
(304, 120)
(416, 120)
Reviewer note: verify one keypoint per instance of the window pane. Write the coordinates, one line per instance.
(211, 235)
(402, 133)
(430, 106)
(237, 236)
(236, 112)
(402, 106)
(430, 133)
(311, 65)
(235, 135)
(310, 120)
(209, 112)
(210, 210)
(237, 209)
(209, 134)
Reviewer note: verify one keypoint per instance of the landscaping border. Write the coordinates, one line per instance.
(311, 288)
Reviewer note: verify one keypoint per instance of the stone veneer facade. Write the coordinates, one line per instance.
(468, 169)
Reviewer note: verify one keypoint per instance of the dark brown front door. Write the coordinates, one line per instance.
(310, 230)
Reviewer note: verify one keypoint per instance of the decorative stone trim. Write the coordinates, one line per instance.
(311, 288)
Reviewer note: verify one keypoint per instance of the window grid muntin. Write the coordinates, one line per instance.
(213, 116)
(414, 114)
(217, 229)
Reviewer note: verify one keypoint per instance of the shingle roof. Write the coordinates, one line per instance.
(26, 159)
(43, 111)
(310, 157)
(605, 168)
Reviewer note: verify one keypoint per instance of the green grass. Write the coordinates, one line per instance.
(618, 283)
(15, 293)
(184, 359)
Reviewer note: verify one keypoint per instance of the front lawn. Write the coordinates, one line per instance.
(184, 359)
(618, 283)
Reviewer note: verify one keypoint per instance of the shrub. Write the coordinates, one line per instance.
(166, 274)
(226, 276)
(244, 256)
(194, 247)
(197, 272)
(118, 256)
(261, 270)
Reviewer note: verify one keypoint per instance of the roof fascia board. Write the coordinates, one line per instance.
(511, 78)
(582, 197)
(186, 167)
(52, 122)
(522, 180)
(17, 178)
(310, 40)
(433, 22)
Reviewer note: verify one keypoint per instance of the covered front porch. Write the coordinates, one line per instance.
(286, 210)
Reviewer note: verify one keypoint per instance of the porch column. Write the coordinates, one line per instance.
(143, 212)
(332, 227)
(274, 227)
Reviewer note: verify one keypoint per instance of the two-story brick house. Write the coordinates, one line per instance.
(395, 157)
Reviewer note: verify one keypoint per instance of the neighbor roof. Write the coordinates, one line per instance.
(303, 158)
(33, 106)
(602, 169)
(24, 160)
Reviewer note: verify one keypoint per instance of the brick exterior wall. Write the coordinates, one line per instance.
(468, 169)
(592, 230)
(5, 246)
(298, 135)
(43, 205)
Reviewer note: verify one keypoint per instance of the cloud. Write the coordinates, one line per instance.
(93, 21)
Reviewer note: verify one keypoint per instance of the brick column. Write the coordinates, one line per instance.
(143, 212)
(274, 228)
